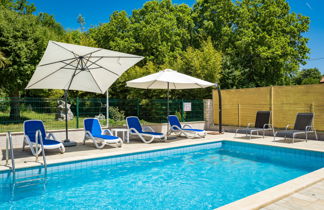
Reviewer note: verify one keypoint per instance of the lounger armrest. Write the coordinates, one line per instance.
(148, 128)
(186, 125)
(133, 130)
(107, 132)
(175, 128)
(267, 126)
(51, 136)
(88, 133)
(309, 128)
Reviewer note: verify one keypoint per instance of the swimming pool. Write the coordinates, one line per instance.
(204, 176)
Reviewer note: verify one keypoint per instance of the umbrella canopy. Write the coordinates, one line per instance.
(168, 79)
(74, 67)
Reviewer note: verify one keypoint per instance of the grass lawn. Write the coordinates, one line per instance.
(50, 123)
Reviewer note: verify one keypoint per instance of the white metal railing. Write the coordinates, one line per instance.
(39, 145)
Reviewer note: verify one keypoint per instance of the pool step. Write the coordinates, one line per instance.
(25, 177)
(30, 182)
(27, 184)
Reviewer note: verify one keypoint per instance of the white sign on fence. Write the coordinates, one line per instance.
(187, 106)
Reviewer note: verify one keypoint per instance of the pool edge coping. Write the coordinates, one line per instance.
(105, 155)
(266, 197)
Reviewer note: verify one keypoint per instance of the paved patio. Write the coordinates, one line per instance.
(310, 197)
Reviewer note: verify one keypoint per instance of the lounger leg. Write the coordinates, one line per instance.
(24, 144)
(97, 145)
(306, 136)
(274, 136)
(62, 149)
(316, 137)
(84, 139)
(251, 134)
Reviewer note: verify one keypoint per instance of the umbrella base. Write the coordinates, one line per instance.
(68, 143)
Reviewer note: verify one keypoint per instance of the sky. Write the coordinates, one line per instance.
(98, 11)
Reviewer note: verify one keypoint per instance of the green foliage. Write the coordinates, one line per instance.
(49, 22)
(117, 34)
(241, 43)
(23, 39)
(261, 40)
(119, 89)
(79, 38)
(204, 63)
(3, 60)
(308, 76)
(20, 6)
(159, 31)
(116, 114)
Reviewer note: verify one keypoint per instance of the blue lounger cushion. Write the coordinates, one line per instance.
(194, 130)
(50, 142)
(152, 133)
(106, 137)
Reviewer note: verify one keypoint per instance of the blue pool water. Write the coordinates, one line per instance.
(194, 177)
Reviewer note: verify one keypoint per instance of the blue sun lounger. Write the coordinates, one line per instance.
(99, 137)
(186, 130)
(135, 128)
(30, 131)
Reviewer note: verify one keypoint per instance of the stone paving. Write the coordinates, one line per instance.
(311, 197)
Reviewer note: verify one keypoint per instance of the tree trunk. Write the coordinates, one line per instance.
(15, 107)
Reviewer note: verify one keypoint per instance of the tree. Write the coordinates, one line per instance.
(20, 6)
(261, 40)
(308, 76)
(117, 34)
(23, 38)
(159, 31)
(81, 21)
(164, 30)
(204, 63)
(49, 22)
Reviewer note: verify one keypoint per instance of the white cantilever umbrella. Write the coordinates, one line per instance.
(168, 79)
(74, 67)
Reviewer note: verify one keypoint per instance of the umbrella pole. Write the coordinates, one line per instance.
(168, 111)
(107, 108)
(66, 117)
(67, 142)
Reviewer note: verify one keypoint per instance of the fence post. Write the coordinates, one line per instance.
(271, 105)
(77, 112)
(238, 114)
(138, 107)
(182, 111)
